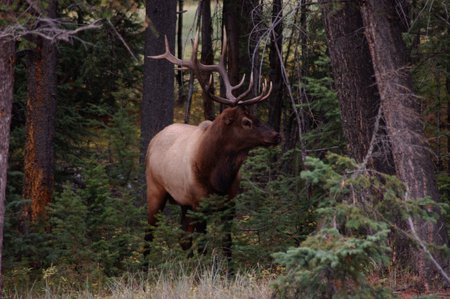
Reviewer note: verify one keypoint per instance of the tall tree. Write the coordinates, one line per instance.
(231, 15)
(275, 56)
(7, 58)
(40, 123)
(180, 13)
(447, 85)
(355, 82)
(157, 102)
(413, 163)
(207, 55)
(238, 20)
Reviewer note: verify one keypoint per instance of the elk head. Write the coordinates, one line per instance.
(246, 130)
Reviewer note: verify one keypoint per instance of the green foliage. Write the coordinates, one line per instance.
(123, 136)
(326, 131)
(70, 241)
(356, 213)
(331, 265)
(335, 217)
(165, 247)
(273, 211)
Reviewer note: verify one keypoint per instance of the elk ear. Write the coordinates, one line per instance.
(246, 123)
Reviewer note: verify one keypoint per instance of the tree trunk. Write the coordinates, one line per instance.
(7, 57)
(40, 125)
(447, 85)
(249, 17)
(355, 82)
(158, 97)
(297, 43)
(181, 97)
(207, 55)
(276, 44)
(231, 14)
(413, 163)
(255, 32)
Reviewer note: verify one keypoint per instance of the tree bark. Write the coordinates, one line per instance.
(354, 80)
(255, 31)
(158, 98)
(231, 14)
(249, 17)
(413, 163)
(447, 85)
(207, 55)
(7, 58)
(181, 96)
(276, 44)
(40, 125)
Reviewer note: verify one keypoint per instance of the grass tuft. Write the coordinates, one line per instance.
(207, 283)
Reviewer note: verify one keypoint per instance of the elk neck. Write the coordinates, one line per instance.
(218, 160)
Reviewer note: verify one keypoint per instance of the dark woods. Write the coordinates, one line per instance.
(354, 201)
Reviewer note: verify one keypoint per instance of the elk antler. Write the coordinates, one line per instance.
(199, 69)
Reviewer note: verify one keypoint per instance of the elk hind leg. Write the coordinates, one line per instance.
(156, 201)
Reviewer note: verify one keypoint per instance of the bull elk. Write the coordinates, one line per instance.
(186, 163)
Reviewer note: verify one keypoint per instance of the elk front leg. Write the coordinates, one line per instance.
(187, 226)
(190, 225)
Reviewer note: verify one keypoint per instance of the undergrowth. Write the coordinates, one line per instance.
(178, 282)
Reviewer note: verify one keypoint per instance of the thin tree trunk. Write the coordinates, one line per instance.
(447, 84)
(181, 97)
(7, 57)
(40, 125)
(207, 55)
(290, 122)
(157, 103)
(355, 82)
(247, 21)
(401, 108)
(252, 32)
(276, 44)
(231, 22)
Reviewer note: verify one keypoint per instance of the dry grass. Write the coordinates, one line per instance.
(173, 284)
(206, 285)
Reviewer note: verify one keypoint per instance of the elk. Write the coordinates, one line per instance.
(186, 163)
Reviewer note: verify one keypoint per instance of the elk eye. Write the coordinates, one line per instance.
(247, 123)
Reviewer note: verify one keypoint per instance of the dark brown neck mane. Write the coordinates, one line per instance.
(217, 162)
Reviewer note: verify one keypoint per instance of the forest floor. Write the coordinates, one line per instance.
(206, 284)
(202, 285)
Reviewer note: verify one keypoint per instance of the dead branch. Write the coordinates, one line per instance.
(47, 28)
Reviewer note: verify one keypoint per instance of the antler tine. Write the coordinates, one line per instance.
(229, 99)
(224, 47)
(239, 84)
(260, 97)
(224, 101)
(213, 96)
(250, 86)
(171, 58)
(195, 47)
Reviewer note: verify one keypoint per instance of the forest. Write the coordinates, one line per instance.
(310, 159)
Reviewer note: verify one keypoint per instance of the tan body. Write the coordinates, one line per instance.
(190, 162)
(170, 160)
